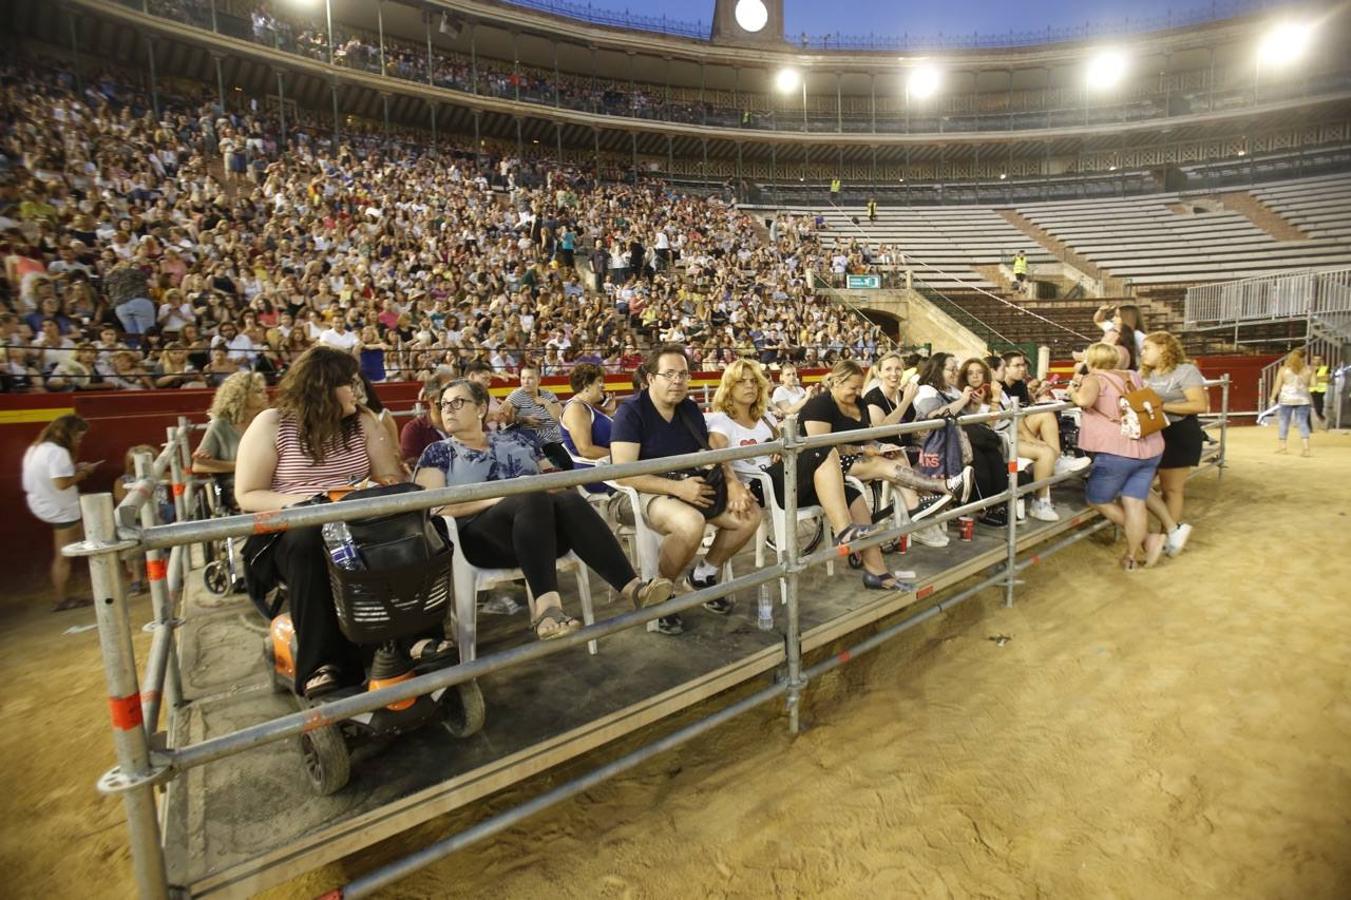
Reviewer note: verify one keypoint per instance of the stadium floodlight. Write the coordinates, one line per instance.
(923, 82)
(787, 80)
(1105, 70)
(1284, 44)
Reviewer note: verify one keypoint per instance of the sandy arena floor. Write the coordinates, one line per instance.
(1173, 733)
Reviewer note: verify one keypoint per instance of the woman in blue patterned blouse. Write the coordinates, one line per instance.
(529, 531)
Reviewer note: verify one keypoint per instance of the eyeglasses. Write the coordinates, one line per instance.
(674, 375)
(455, 405)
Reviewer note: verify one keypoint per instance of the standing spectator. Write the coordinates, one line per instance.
(372, 354)
(1123, 467)
(1020, 271)
(1180, 385)
(662, 421)
(1318, 389)
(1291, 391)
(50, 476)
(127, 290)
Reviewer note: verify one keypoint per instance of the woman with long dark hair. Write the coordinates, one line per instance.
(50, 476)
(315, 439)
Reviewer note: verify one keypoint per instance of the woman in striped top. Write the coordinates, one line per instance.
(315, 439)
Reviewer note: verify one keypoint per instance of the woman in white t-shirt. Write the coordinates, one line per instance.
(50, 475)
(739, 419)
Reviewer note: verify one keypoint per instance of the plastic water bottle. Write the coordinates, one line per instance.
(764, 619)
(341, 548)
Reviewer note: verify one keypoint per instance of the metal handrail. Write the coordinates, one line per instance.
(140, 768)
(1270, 298)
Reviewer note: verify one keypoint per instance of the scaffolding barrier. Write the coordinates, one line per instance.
(147, 758)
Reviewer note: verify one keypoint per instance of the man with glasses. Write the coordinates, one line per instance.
(662, 421)
(425, 429)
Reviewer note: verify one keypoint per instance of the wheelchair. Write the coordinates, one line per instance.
(224, 570)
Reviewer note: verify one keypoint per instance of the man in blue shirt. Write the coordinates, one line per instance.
(663, 421)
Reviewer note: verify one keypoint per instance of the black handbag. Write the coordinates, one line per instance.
(397, 539)
(714, 476)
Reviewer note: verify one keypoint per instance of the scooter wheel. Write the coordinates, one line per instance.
(216, 577)
(855, 561)
(327, 764)
(464, 709)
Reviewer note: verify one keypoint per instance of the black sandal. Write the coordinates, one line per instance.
(323, 681)
(883, 582)
(567, 624)
(430, 650)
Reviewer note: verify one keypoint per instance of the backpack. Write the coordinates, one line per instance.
(1141, 410)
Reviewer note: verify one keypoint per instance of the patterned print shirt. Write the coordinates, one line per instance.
(508, 456)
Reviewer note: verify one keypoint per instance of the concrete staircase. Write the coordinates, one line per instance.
(1062, 250)
(1261, 215)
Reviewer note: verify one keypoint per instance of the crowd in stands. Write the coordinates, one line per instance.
(148, 252)
(180, 249)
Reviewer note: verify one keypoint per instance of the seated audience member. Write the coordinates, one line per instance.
(80, 373)
(526, 531)
(662, 421)
(988, 396)
(219, 367)
(536, 411)
(1180, 385)
(237, 401)
(939, 395)
(482, 374)
(739, 418)
(837, 410)
(790, 396)
(891, 400)
(587, 414)
(314, 440)
(1123, 468)
(424, 429)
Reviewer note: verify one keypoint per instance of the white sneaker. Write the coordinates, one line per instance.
(1021, 509)
(1044, 511)
(933, 536)
(1177, 539)
(1068, 464)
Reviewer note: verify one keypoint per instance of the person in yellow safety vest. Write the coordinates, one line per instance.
(1020, 269)
(872, 210)
(1318, 389)
(834, 189)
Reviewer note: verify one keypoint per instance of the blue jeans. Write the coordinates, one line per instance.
(1301, 416)
(1115, 476)
(137, 315)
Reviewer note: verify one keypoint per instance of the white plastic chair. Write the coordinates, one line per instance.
(778, 522)
(647, 541)
(469, 579)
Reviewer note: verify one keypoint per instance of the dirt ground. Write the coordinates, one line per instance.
(1181, 732)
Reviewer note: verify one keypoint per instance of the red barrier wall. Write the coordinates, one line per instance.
(121, 420)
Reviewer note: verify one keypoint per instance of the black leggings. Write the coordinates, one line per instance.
(807, 464)
(987, 460)
(531, 531)
(297, 558)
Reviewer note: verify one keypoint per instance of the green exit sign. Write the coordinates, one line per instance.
(864, 282)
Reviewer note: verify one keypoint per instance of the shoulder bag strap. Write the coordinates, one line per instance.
(689, 426)
(1121, 392)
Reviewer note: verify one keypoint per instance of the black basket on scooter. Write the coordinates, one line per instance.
(404, 587)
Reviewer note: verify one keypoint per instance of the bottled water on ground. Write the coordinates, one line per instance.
(764, 619)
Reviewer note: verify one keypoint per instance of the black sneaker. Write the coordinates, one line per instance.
(722, 605)
(668, 625)
(928, 504)
(996, 517)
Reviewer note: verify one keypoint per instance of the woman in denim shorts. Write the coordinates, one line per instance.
(1123, 467)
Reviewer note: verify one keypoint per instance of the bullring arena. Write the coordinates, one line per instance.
(532, 263)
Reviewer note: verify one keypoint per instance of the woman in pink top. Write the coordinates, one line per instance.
(1123, 467)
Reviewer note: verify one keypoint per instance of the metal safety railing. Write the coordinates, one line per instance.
(145, 761)
(1270, 298)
